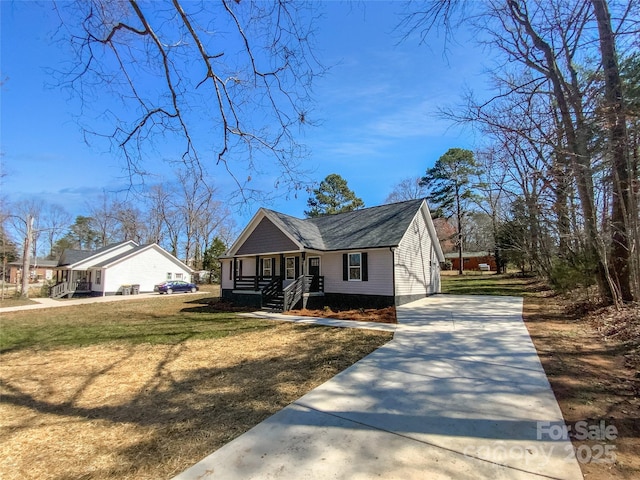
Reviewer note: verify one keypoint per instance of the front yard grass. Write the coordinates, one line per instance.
(143, 389)
(489, 283)
(161, 320)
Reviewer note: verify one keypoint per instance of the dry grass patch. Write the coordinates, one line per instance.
(148, 410)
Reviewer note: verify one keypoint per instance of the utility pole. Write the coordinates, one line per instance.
(25, 258)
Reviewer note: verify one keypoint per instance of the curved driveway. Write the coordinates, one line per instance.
(458, 393)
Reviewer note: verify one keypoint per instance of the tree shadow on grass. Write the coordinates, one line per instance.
(215, 305)
(195, 411)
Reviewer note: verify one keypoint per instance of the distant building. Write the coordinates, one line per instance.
(39, 270)
(471, 260)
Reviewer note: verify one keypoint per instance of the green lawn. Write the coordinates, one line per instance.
(160, 320)
(489, 284)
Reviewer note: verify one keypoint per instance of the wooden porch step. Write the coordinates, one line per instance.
(274, 304)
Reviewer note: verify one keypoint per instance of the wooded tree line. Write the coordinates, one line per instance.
(184, 217)
(558, 169)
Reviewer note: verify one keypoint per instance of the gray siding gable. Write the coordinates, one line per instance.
(266, 238)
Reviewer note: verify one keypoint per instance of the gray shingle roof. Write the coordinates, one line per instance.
(118, 257)
(71, 256)
(382, 226)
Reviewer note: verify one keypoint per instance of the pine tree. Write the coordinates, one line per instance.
(332, 196)
(449, 188)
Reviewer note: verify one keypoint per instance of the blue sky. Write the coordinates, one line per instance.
(376, 109)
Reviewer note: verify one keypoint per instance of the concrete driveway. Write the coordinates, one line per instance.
(458, 393)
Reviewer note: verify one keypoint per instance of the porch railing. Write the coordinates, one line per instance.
(294, 291)
(252, 282)
(61, 289)
(315, 283)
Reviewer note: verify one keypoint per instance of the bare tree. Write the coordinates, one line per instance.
(547, 57)
(54, 222)
(129, 221)
(103, 219)
(195, 205)
(407, 189)
(228, 77)
(166, 224)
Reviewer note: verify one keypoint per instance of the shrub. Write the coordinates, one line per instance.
(566, 276)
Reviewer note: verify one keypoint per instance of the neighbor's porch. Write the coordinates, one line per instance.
(70, 283)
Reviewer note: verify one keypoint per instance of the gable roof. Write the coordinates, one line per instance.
(381, 226)
(139, 249)
(373, 227)
(71, 257)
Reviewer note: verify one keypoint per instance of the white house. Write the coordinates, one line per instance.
(374, 257)
(115, 268)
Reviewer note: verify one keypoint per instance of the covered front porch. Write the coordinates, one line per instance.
(70, 283)
(280, 281)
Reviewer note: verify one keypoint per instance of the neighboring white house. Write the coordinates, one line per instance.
(378, 256)
(116, 269)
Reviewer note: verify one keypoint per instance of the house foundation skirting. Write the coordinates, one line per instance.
(346, 300)
(247, 299)
(314, 301)
(402, 299)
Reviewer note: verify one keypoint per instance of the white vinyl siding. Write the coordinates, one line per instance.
(147, 268)
(417, 270)
(380, 270)
(226, 277)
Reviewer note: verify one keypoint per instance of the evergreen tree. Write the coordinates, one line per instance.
(81, 234)
(332, 196)
(450, 189)
(211, 258)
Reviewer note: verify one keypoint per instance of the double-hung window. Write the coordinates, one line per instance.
(290, 268)
(355, 267)
(267, 267)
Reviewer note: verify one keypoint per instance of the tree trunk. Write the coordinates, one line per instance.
(577, 142)
(26, 263)
(459, 218)
(621, 206)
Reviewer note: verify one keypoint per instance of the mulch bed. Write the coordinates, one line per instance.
(379, 315)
